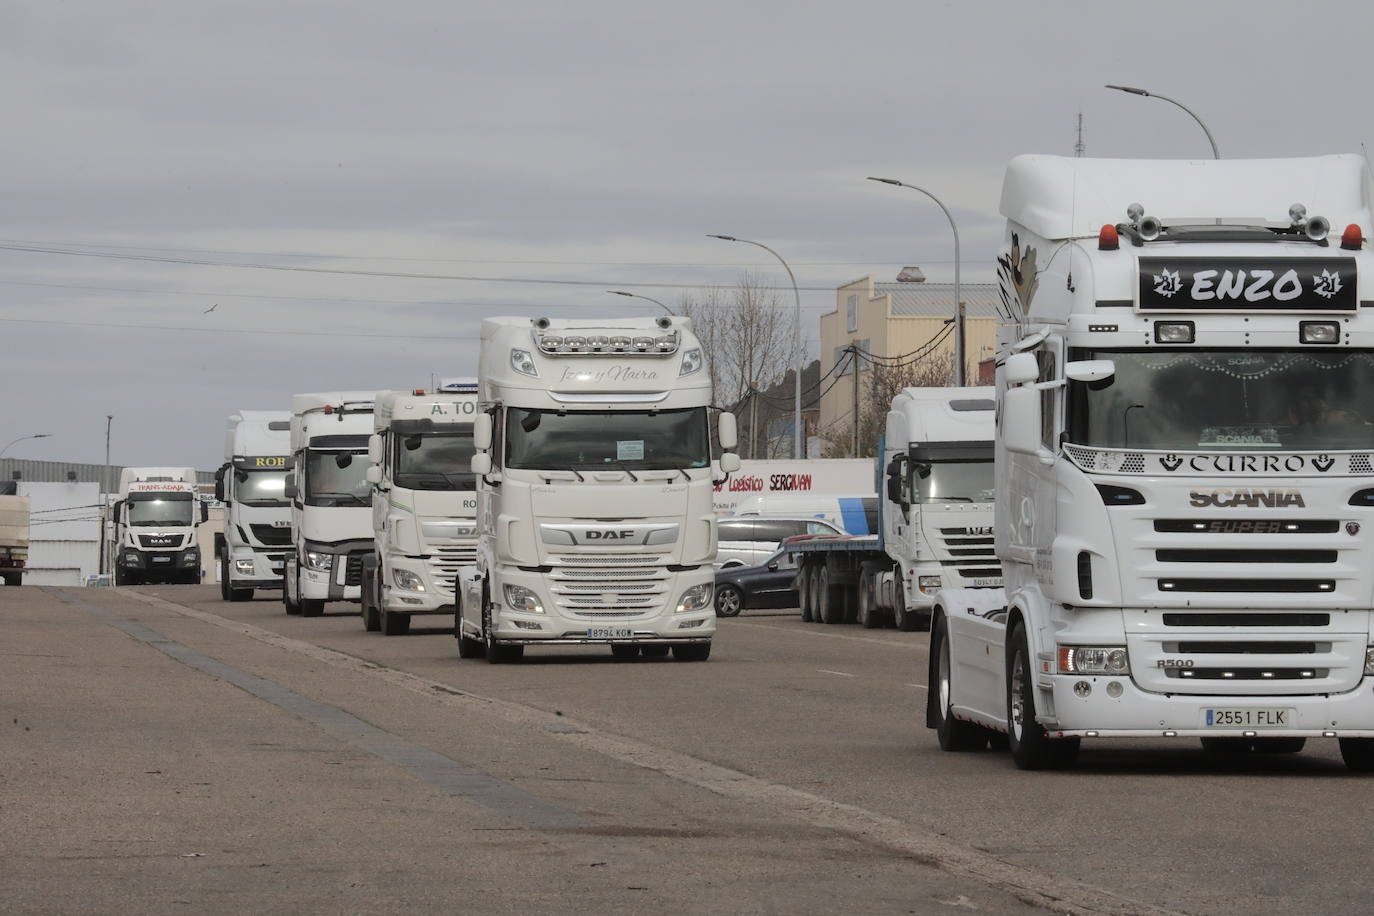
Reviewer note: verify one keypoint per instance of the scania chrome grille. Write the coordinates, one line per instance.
(607, 585)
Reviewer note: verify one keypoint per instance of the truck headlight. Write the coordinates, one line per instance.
(928, 583)
(244, 566)
(696, 598)
(1104, 660)
(691, 361)
(523, 599)
(321, 562)
(404, 578)
(190, 557)
(131, 557)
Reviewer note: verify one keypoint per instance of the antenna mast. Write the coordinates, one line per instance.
(1079, 148)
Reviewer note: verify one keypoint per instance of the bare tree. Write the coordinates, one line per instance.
(879, 385)
(747, 335)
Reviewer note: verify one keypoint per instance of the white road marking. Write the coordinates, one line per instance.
(918, 686)
(836, 673)
(1057, 893)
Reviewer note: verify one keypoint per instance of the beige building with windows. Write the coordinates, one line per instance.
(905, 319)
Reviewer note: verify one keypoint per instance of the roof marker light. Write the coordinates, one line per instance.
(1107, 239)
(1352, 239)
(419, 391)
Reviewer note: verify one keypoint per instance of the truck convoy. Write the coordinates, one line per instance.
(935, 518)
(14, 538)
(424, 504)
(257, 517)
(594, 495)
(331, 500)
(1183, 460)
(153, 530)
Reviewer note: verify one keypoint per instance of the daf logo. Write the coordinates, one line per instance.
(592, 534)
(1224, 498)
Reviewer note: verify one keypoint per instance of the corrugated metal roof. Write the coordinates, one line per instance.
(936, 300)
(34, 471)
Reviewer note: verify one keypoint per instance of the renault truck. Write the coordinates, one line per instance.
(153, 530)
(331, 500)
(934, 471)
(595, 471)
(1184, 465)
(424, 504)
(257, 517)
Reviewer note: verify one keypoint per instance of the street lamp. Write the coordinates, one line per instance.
(796, 340)
(958, 300)
(621, 292)
(21, 439)
(1151, 95)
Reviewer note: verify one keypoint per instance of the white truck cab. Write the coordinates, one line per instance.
(257, 515)
(1183, 464)
(154, 530)
(594, 458)
(424, 503)
(331, 499)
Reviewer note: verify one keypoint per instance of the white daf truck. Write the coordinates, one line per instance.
(1183, 465)
(935, 518)
(331, 500)
(154, 526)
(257, 515)
(594, 498)
(424, 504)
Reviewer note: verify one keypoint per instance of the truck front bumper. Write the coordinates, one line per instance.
(249, 568)
(1136, 713)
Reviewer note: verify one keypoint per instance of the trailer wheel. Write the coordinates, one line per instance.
(804, 599)
(831, 598)
(1358, 754)
(954, 735)
(1031, 748)
(868, 595)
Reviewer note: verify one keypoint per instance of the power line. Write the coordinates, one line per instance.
(269, 332)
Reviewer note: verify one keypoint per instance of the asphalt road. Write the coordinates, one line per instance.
(163, 751)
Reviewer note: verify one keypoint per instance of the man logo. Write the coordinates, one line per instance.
(621, 535)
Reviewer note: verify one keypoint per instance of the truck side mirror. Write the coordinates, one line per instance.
(289, 488)
(1021, 368)
(374, 449)
(729, 432)
(729, 462)
(1021, 420)
(374, 473)
(894, 489)
(204, 513)
(481, 434)
(481, 461)
(1090, 370)
(219, 481)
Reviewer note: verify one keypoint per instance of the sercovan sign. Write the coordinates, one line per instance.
(833, 476)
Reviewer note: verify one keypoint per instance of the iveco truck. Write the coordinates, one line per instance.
(331, 500)
(935, 527)
(154, 526)
(424, 503)
(594, 496)
(257, 517)
(1184, 465)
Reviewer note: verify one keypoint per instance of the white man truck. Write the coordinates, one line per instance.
(934, 471)
(331, 500)
(424, 504)
(594, 498)
(1183, 465)
(257, 516)
(154, 529)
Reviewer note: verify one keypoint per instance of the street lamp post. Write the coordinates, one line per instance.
(621, 292)
(1152, 95)
(21, 439)
(958, 298)
(797, 430)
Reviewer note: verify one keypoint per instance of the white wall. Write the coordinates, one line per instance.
(64, 532)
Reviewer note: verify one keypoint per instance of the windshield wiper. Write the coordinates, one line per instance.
(626, 468)
(568, 468)
(355, 498)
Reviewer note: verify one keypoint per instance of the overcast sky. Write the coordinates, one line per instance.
(594, 142)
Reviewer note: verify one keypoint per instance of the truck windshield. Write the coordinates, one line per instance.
(435, 461)
(1232, 400)
(637, 440)
(260, 488)
(161, 510)
(951, 481)
(337, 478)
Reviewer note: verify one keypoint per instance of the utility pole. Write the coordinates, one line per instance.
(854, 364)
(105, 498)
(753, 420)
(959, 363)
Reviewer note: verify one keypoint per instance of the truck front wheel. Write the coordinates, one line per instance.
(394, 624)
(903, 617)
(496, 653)
(953, 734)
(1031, 748)
(1358, 754)
(692, 652)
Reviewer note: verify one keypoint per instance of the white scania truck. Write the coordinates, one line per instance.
(935, 518)
(257, 516)
(331, 499)
(154, 526)
(424, 503)
(1183, 465)
(595, 490)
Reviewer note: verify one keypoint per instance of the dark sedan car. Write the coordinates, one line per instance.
(773, 583)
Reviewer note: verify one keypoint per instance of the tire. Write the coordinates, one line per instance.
(692, 652)
(1030, 747)
(224, 578)
(498, 654)
(291, 606)
(831, 598)
(1279, 745)
(467, 646)
(903, 617)
(654, 650)
(849, 601)
(624, 650)
(1227, 745)
(729, 601)
(804, 600)
(394, 624)
(240, 594)
(867, 616)
(1358, 754)
(953, 734)
(312, 607)
(367, 607)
